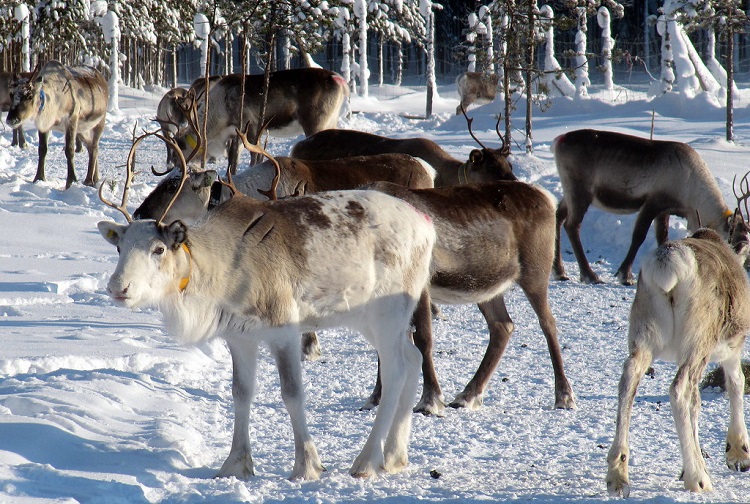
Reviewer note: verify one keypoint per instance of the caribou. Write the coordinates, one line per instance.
(297, 177)
(489, 236)
(260, 272)
(483, 165)
(6, 99)
(72, 100)
(475, 87)
(624, 174)
(172, 110)
(692, 306)
(302, 100)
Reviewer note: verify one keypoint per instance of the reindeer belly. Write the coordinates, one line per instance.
(286, 129)
(618, 202)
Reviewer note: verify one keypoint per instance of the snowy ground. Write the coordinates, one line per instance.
(98, 404)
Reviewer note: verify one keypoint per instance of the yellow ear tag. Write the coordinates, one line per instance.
(728, 213)
(191, 140)
(111, 234)
(186, 280)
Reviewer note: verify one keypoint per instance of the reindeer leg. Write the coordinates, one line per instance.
(310, 347)
(640, 230)
(399, 360)
(559, 266)
(535, 289)
(685, 401)
(239, 463)
(374, 399)
(286, 352)
(42, 148)
(500, 327)
(661, 227)
(572, 223)
(397, 442)
(70, 151)
(92, 146)
(738, 447)
(617, 459)
(432, 401)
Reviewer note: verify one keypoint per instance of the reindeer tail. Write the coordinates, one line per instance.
(668, 265)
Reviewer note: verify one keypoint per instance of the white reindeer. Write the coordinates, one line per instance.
(260, 272)
(692, 305)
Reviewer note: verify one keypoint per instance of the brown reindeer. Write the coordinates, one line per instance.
(475, 87)
(302, 100)
(489, 236)
(483, 165)
(6, 98)
(72, 100)
(621, 173)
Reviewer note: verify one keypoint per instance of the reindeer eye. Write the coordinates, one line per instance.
(159, 250)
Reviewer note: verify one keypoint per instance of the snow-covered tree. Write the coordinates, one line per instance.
(360, 13)
(608, 43)
(553, 78)
(23, 16)
(110, 24)
(427, 8)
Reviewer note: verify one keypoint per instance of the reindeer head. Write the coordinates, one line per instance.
(487, 165)
(739, 228)
(28, 98)
(155, 260)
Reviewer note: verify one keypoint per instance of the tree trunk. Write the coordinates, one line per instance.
(730, 80)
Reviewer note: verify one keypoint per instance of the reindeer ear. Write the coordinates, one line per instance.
(476, 156)
(175, 234)
(111, 231)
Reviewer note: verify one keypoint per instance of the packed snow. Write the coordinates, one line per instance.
(99, 404)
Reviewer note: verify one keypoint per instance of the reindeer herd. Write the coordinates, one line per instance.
(366, 232)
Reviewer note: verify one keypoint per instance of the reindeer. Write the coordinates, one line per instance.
(475, 87)
(692, 305)
(297, 177)
(260, 272)
(72, 100)
(483, 165)
(489, 236)
(6, 98)
(303, 100)
(171, 113)
(623, 174)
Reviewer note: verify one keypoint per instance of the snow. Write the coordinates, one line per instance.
(98, 404)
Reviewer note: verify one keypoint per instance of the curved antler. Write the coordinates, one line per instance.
(504, 148)
(270, 194)
(470, 120)
(742, 198)
(129, 172)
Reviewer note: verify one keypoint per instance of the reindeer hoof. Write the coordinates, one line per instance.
(738, 459)
(566, 401)
(431, 407)
(469, 402)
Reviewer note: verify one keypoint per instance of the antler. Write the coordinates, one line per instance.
(504, 148)
(742, 198)
(270, 194)
(122, 207)
(470, 120)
